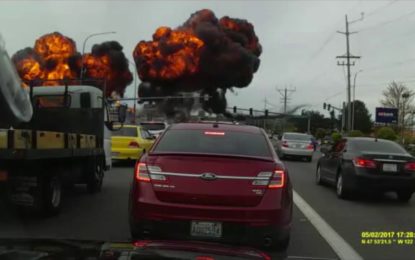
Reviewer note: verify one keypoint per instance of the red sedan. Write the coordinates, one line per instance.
(214, 182)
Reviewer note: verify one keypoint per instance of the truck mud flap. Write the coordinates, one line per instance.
(22, 190)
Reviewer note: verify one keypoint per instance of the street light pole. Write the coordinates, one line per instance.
(405, 97)
(84, 45)
(354, 97)
(135, 89)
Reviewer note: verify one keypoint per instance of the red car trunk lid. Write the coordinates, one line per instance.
(210, 180)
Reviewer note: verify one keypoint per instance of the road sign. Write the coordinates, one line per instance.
(386, 115)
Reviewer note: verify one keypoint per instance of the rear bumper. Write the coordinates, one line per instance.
(273, 210)
(126, 154)
(368, 182)
(296, 152)
(232, 233)
(179, 212)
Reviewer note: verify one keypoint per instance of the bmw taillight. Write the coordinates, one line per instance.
(145, 173)
(273, 180)
(364, 163)
(133, 144)
(410, 166)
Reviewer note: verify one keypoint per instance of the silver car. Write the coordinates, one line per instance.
(295, 145)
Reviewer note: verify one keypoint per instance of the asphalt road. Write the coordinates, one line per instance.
(376, 213)
(103, 216)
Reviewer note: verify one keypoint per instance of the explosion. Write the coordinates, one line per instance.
(204, 55)
(54, 58)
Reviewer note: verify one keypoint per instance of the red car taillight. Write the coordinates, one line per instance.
(146, 173)
(410, 166)
(133, 144)
(364, 163)
(310, 147)
(141, 172)
(277, 179)
(284, 144)
(273, 180)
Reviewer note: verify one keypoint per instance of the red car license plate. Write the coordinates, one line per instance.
(206, 229)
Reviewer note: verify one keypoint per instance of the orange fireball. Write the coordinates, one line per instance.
(171, 55)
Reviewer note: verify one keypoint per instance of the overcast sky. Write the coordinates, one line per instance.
(299, 40)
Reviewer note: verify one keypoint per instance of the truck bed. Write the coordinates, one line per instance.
(20, 144)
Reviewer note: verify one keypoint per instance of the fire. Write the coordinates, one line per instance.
(55, 46)
(29, 68)
(97, 67)
(55, 57)
(171, 55)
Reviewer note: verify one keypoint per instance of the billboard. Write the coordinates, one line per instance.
(386, 115)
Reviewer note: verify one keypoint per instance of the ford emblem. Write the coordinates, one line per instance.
(208, 176)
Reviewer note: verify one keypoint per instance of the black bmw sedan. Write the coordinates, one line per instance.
(361, 164)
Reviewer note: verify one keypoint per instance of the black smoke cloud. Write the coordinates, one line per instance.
(228, 59)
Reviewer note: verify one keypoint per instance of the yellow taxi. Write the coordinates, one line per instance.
(130, 142)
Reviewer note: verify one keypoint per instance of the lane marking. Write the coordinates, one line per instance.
(337, 243)
(309, 257)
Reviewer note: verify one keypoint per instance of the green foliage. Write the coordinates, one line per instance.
(356, 133)
(336, 136)
(386, 133)
(320, 133)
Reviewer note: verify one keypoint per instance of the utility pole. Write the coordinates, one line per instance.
(348, 63)
(284, 96)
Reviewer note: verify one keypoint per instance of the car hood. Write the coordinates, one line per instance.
(140, 249)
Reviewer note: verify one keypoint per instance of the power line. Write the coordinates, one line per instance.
(335, 95)
(375, 11)
(397, 63)
(387, 22)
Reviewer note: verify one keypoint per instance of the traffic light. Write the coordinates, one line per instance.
(251, 112)
(328, 107)
(266, 112)
(234, 109)
(332, 114)
(324, 105)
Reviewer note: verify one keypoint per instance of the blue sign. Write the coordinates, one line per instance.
(386, 115)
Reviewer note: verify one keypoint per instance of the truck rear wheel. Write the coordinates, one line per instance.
(52, 195)
(95, 176)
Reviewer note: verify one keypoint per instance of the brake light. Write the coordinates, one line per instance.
(214, 133)
(141, 243)
(133, 144)
(273, 180)
(277, 179)
(285, 144)
(204, 257)
(410, 166)
(141, 173)
(364, 163)
(310, 147)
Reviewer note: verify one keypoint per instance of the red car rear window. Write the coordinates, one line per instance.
(214, 142)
